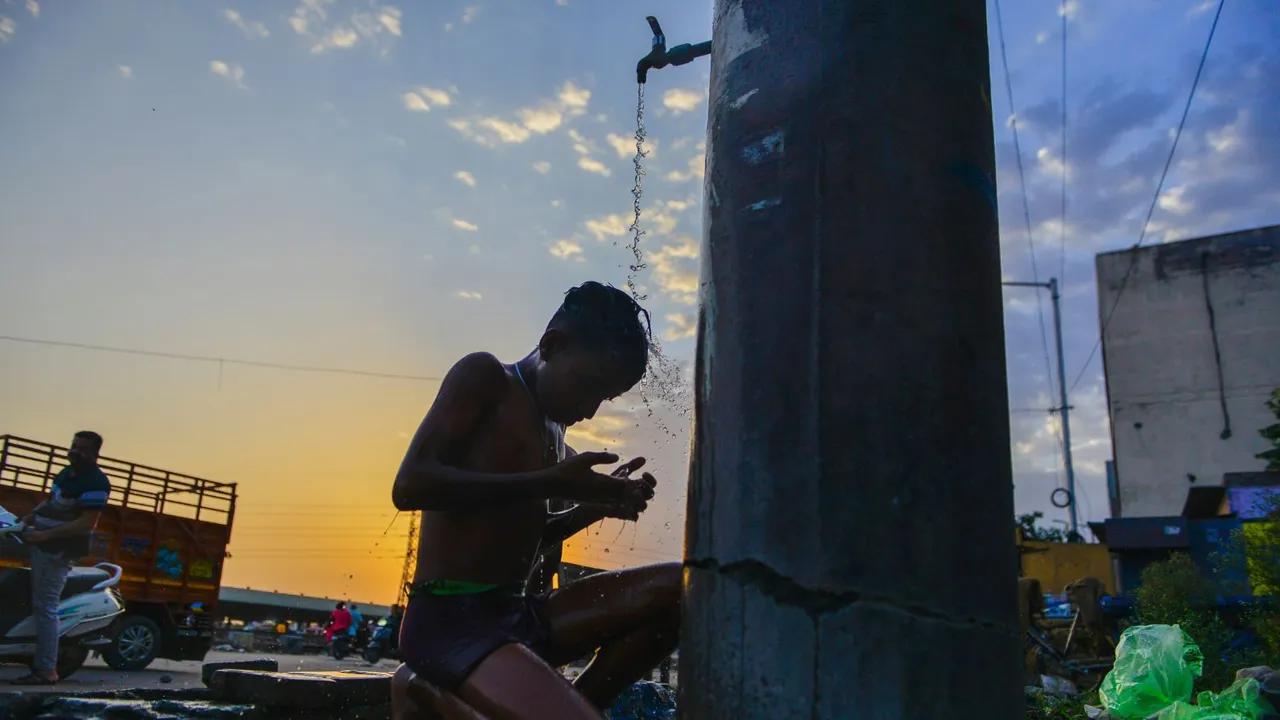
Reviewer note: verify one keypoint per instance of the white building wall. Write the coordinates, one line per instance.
(1167, 419)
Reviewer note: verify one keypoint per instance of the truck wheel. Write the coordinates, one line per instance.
(136, 644)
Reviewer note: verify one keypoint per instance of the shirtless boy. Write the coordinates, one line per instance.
(482, 467)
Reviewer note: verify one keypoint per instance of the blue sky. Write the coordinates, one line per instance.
(387, 187)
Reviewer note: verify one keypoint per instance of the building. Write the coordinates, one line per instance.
(1191, 353)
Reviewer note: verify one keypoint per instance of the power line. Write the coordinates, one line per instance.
(1155, 200)
(1062, 234)
(218, 360)
(1026, 207)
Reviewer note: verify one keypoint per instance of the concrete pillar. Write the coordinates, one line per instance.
(849, 551)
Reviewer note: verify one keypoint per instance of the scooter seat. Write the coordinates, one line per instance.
(15, 587)
(82, 580)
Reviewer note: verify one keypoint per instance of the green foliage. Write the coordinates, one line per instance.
(1043, 706)
(1271, 434)
(1175, 592)
(1032, 531)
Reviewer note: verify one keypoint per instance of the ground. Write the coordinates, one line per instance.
(96, 676)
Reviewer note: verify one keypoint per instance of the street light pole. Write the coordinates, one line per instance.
(1052, 287)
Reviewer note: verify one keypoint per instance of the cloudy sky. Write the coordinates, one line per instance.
(383, 188)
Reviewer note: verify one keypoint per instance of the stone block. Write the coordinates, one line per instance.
(263, 664)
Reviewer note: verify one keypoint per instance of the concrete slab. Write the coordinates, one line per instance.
(302, 690)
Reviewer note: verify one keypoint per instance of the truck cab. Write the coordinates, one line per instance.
(168, 532)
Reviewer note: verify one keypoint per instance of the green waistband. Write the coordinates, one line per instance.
(462, 587)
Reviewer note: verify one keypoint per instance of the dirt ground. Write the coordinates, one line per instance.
(96, 676)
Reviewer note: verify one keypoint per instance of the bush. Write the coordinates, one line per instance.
(1175, 592)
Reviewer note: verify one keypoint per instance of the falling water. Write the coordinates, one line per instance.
(664, 382)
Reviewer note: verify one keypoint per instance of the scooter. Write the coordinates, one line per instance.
(86, 613)
(382, 644)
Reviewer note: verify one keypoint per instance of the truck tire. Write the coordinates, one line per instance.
(136, 644)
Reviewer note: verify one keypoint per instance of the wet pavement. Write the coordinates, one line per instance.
(95, 676)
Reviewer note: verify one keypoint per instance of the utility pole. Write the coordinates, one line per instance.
(1064, 408)
(850, 491)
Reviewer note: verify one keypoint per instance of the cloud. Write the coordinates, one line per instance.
(465, 178)
(625, 145)
(602, 431)
(562, 3)
(7, 28)
(469, 295)
(542, 166)
(607, 226)
(567, 250)
(675, 270)
(1042, 37)
(234, 73)
(33, 7)
(695, 169)
(469, 13)
(251, 28)
(573, 97)
(125, 71)
(680, 100)
(592, 165)
(464, 225)
(539, 119)
(376, 26)
(679, 327)
(390, 20)
(422, 99)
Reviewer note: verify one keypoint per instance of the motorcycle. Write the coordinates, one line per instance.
(340, 646)
(382, 644)
(87, 609)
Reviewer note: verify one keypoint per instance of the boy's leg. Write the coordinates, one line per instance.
(515, 684)
(632, 617)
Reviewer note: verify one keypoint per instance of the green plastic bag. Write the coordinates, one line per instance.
(1156, 666)
(1242, 701)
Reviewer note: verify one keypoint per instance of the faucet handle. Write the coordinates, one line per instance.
(659, 39)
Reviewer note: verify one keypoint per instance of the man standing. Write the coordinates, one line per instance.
(62, 527)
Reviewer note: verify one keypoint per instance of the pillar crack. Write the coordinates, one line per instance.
(817, 603)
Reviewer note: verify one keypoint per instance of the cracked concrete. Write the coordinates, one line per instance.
(816, 602)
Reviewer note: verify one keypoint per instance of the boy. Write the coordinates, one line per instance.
(482, 467)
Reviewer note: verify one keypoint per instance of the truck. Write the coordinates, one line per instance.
(167, 531)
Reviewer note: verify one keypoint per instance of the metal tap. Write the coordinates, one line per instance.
(659, 56)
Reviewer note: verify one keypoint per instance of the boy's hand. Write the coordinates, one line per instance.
(617, 489)
(639, 493)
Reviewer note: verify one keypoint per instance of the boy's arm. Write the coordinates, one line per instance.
(471, 390)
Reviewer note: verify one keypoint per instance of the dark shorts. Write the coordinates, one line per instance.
(445, 637)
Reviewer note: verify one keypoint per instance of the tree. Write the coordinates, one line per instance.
(1032, 531)
(1271, 434)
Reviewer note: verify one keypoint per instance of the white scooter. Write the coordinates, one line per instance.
(89, 607)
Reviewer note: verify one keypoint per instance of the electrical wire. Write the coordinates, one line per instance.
(219, 360)
(1026, 216)
(1062, 231)
(1155, 200)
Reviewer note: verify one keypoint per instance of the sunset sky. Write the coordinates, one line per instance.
(384, 188)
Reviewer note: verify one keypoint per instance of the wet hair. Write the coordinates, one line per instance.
(602, 317)
(94, 438)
